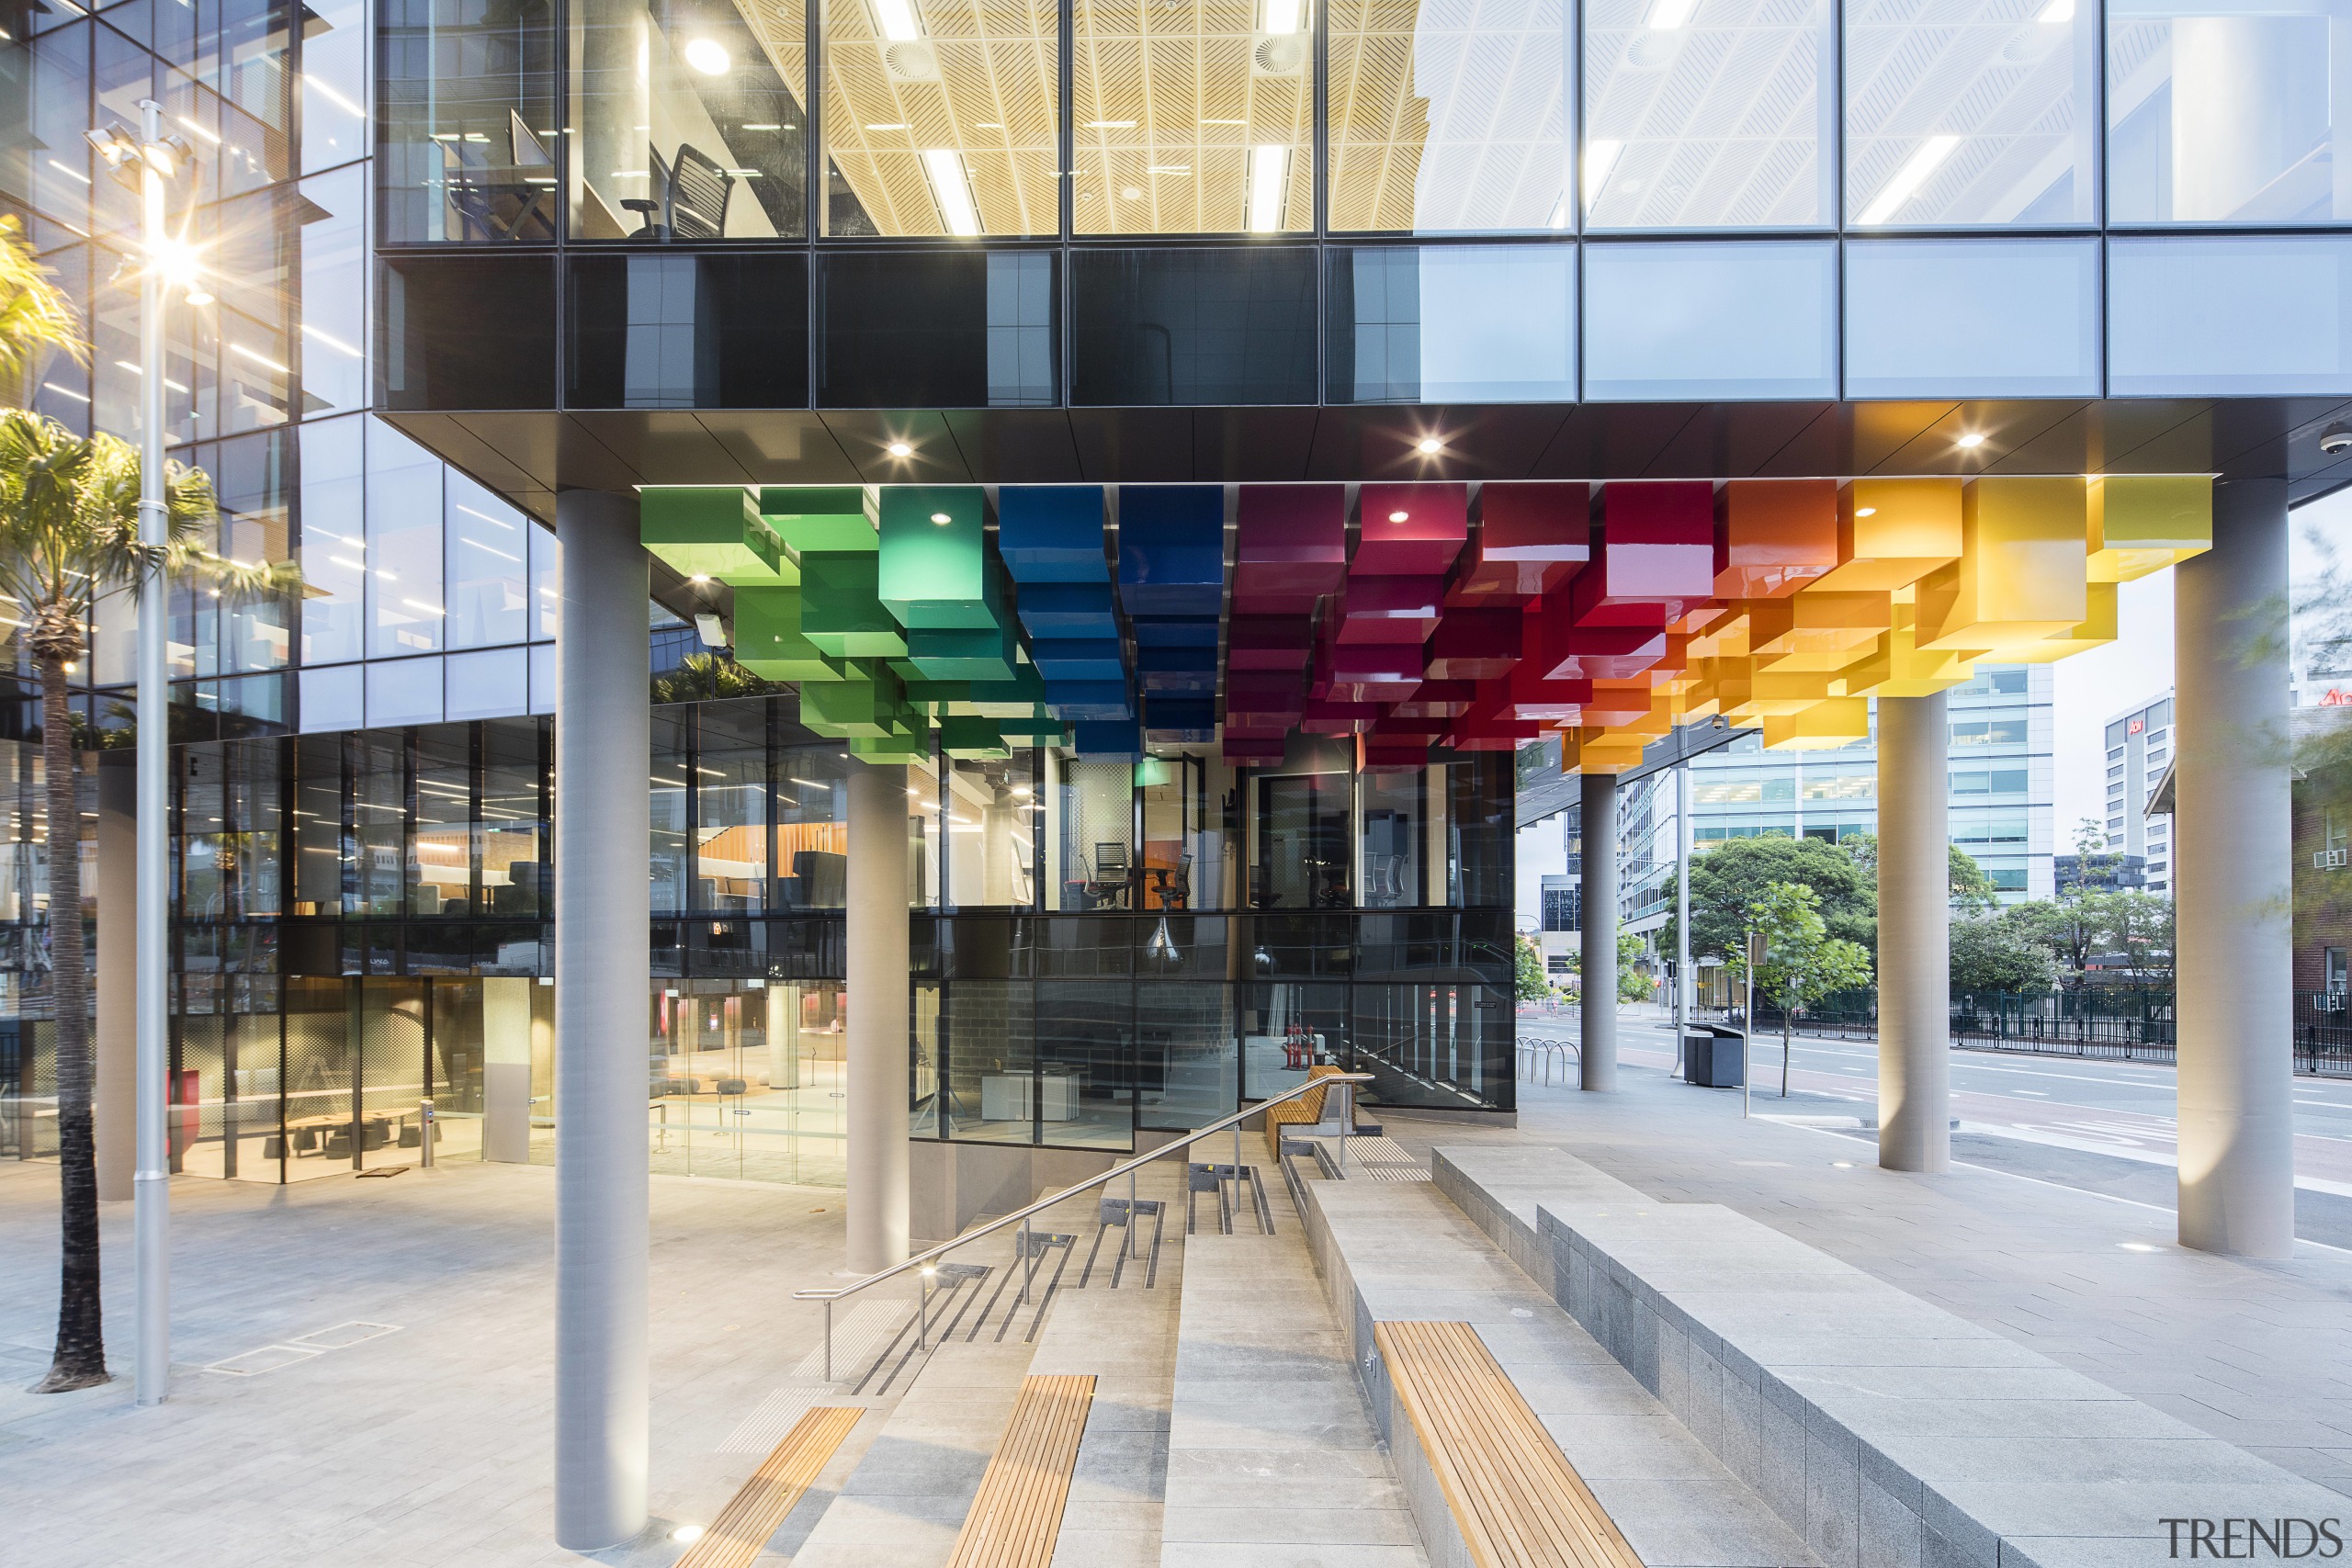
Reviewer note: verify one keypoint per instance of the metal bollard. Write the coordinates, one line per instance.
(425, 1139)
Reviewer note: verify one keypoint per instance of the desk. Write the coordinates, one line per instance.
(1005, 1096)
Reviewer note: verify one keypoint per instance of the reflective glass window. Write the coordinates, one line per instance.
(732, 807)
(672, 854)
(1968, 111)
(333, 699)
(683, 331)
(1193, 326)
(939, 330)
(487, 568)
(1188, 856)
(940, 118)
(2229, 113)
(333, 541)
(1450, 116)
(403, 560)
(466, 332)
(687, 121)
(1195, 117)
(1089, 830)
(403, 690)
(811, 828)
(488, 685)
(991, 838)
(1707, 114)
(467, 135)
(1972, 318)
(2222, 316)
(1457, 324)
(334, 83)
(334, 298)
(251, 477)
(1695, 321)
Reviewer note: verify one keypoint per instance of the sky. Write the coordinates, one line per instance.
(2087, 690)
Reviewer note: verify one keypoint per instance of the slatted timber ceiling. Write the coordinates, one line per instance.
(1169, 96)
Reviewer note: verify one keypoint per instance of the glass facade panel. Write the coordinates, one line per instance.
(1089, 862)
(941, 119)
(1193, 326)
(2229, 316)
(1694, 322)
(991, 842)
(1457, 324)
(333, 297)
(2002, 318)
(466, 332)
(2227, 114)
(405, 614)
(487, 567)
(732, 808)
(1708, 114)
(687, 120)
(684, 332)
(1972, 113)
(1193, 117)
(1450, 118)
(940, 330)
(466, 123)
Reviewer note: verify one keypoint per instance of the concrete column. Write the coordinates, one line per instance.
(2231, 854)
(1597, 1058)
(602, 742)
(1914, 935)
(117, 976)
(877, 1031)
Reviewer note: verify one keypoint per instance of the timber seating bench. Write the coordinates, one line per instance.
(752, 1515)
(1017, 1514)
(1306, 1109)
(1515, 1497)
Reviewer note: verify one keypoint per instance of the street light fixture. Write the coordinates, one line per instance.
(171, 262)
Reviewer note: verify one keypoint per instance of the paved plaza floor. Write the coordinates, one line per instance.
(382, 1388)
(2257, 1353)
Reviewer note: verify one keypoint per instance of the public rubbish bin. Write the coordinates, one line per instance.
(1714, 1060)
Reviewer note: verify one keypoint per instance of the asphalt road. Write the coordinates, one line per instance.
(2080, 1122)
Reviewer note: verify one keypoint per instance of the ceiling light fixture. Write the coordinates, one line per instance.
(1866, 511)
(709, 56)
(900, 449)
(1269, 175)
(1282, 16)
(1430, 445)
(950, 190)
(699, 579)
(2057, 11)
(942, 518)
(1397, 517)
(1970, 441)
(1909, 178)
(898, 20)
(1599, 157)
(1667, 14)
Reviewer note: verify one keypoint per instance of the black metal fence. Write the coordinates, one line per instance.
(2109, 1023)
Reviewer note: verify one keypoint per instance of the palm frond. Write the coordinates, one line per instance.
(35, 315)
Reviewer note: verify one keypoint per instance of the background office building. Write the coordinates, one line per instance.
(2139, 748)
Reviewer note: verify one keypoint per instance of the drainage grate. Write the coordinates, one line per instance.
(301, 1348)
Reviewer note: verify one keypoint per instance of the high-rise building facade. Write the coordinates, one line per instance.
(2139, 748)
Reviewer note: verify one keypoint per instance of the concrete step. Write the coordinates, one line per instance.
(905, 1500)
(1392, 1250)
(1273, 1458)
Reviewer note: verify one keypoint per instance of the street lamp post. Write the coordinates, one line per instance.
(157, 158)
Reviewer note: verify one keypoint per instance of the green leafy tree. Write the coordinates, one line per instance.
(1633, 985)
(1734, 875)
(2140, 929)
(708, 677)
(70, 536)
(1971, 889)
(2000, 951)
(1803, 962)
(1532, 984)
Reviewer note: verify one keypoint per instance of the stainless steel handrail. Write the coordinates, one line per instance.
(1345, 1082)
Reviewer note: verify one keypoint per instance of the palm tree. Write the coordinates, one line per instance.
(69, 536)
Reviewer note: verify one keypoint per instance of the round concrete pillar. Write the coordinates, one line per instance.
(877, 1029)
(602, 968)
(1914, 935)
(2231, 866)
(1597, 988)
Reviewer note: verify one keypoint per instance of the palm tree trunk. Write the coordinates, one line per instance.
(80, 1355)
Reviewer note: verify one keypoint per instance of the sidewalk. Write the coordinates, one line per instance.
(2257, 1354)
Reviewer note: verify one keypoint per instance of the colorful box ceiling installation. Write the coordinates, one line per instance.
(915, 617)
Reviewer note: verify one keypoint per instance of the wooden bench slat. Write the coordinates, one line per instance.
(1017, 1514)
(759, 1505)
(1519, 1502)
